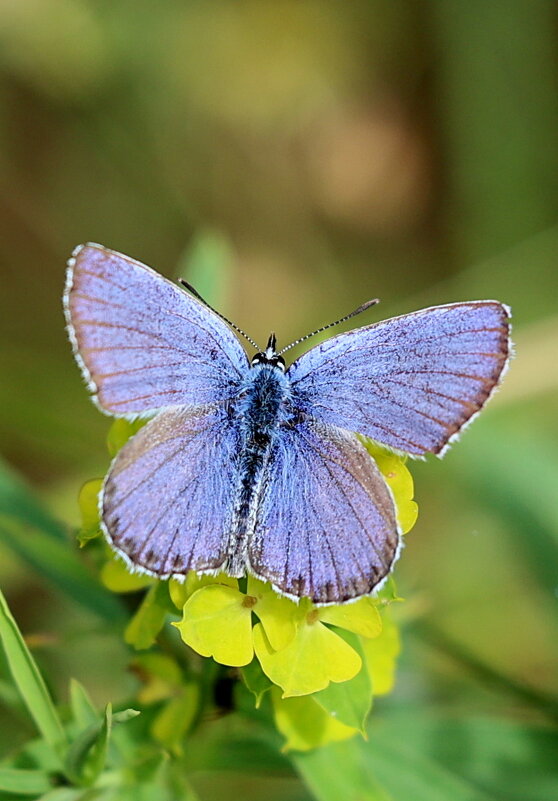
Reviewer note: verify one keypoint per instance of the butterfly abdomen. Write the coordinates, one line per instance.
(262, 407)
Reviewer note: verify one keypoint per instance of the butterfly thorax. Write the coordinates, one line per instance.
(262, 408)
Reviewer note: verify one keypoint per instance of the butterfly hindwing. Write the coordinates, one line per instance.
(411, 382)
(325, 525)
(168, 499)
(142, 342)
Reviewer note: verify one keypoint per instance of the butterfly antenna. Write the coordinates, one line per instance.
(197, 295)
(344, 319)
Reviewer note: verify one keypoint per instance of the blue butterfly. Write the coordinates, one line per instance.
(249, 467)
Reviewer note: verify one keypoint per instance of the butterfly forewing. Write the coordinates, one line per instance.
(325, 525)
(168, 499)
(143, 343)
(411, 382)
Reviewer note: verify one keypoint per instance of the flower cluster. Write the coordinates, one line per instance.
(319, 666)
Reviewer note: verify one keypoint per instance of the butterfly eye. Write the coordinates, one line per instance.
(273, 361)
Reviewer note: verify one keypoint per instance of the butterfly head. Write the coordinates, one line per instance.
(270, 355)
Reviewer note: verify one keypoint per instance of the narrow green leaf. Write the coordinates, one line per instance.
(98, 753)
(87, 754)
(256, 680)
(29, 681)
(349, 701)
(150, 617)
(125, 715)
(24, 782)
(83, 710)
(17, 501)
(58, 562)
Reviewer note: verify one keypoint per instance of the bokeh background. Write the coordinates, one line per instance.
(294, 159)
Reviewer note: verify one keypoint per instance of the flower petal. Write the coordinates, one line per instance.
(278, 615)
(121, 431)
(88, 500)
(312, 659)
(399, 480)
(180, 591)
(218, 623)
(361, 617)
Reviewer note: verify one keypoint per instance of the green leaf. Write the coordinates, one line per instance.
(125, 715)
(83, 710)
(18, 502)
(24, 782)
(86, 756)
(148, 621)
(256, 680)
(350, 701)
(29, 681)
(88, 753)
(342, 771)
(59, 563)
(304, 724)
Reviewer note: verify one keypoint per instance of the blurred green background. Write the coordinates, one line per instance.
(327, 153)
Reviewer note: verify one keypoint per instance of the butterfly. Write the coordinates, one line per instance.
(248, 467)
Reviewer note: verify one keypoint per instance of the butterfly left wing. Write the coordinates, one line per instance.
(325, 524)
(168, 499)
(141, 342)
(411, 382)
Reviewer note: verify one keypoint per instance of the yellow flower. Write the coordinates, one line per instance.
(317, 655)
(398, 479)
(217, 617)
(296, 649)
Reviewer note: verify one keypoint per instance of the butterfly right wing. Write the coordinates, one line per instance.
(168, 499)
(141, 342)
(411, 382)
(325, 523)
